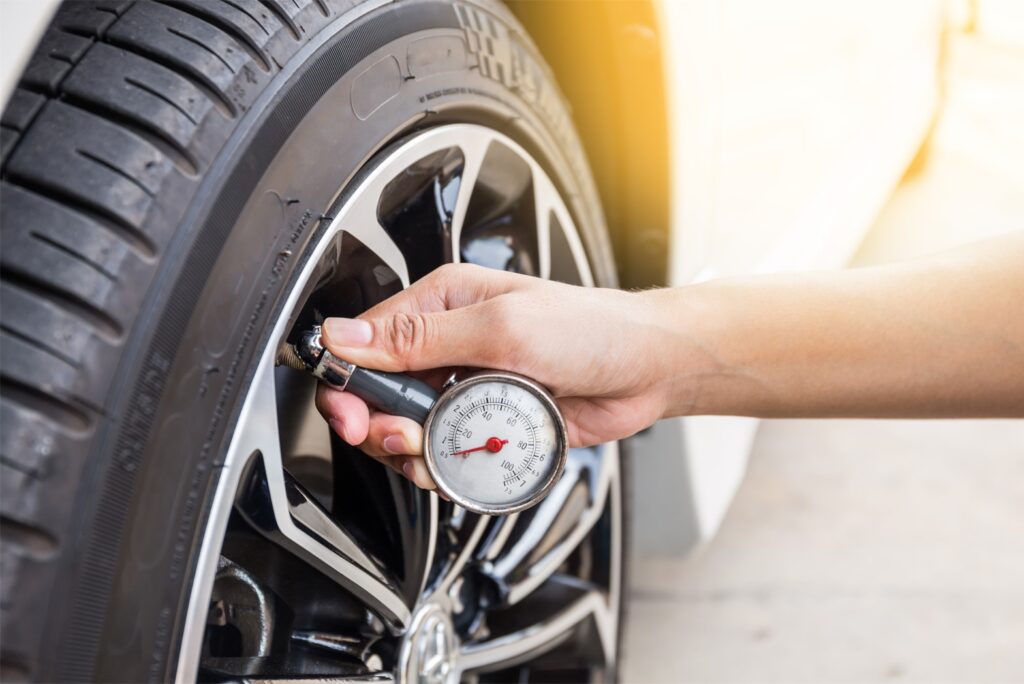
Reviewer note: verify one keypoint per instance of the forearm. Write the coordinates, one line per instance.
(935, 337)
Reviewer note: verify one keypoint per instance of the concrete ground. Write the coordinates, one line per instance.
(855, 551)
(863, 551)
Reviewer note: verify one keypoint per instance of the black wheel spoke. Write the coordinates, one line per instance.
(573, 606)
(376, 678)
(461, 555)
(558, 525)
(294, 520)
(274, 503)
(418, 515)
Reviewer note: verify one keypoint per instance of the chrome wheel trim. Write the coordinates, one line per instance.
(331, 550)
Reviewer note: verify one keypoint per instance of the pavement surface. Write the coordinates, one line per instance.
(871, 551)
(855, 551)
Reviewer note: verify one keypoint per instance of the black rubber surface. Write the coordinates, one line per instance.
(164, 165)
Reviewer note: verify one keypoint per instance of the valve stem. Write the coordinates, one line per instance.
(309, 354)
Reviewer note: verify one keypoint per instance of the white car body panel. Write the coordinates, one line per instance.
(22, 23)
(791, 122)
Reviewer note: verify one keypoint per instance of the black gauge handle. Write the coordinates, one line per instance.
(394, 393)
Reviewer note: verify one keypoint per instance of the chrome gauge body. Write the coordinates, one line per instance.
(495, 443)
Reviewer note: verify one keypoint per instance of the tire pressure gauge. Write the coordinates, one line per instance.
(494, 442)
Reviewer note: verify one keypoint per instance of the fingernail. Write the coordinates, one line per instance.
(409, 470)
(394, 444)
(348, 332)
(338, 426)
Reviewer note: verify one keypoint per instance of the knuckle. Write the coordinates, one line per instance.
(448, 271)
(452, 277)
(444, 276)
(437, 286)
(502, 323)
(406, 335)
(503, 316)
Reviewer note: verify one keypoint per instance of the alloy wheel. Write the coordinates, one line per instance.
(319, 564)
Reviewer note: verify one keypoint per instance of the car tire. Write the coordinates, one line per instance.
(166, 167)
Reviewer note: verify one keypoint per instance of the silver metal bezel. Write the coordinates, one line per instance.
(530, 386)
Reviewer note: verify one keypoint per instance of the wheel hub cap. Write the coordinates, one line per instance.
(430, 648)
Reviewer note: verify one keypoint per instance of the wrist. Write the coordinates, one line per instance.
(670, 350)
(693, 327)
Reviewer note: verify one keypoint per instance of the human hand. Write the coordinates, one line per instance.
(594, 349)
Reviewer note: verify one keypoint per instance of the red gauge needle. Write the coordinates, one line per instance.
(493, 445)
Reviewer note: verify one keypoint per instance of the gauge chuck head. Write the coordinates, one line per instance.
(392, 393)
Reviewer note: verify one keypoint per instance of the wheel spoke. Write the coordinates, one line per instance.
(458, 564)
(277, 506)
(530, 642)
(562, 252)
(306, 430)
(362, 224)
(376, 678)
(545, 199)
(494, 545)
(474, 149)
(560, 523)
(418, 511)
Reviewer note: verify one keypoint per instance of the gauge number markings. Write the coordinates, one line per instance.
(502, 405)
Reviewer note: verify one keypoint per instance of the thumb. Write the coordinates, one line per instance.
(417, 341)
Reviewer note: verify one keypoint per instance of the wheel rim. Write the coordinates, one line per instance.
(379, 581)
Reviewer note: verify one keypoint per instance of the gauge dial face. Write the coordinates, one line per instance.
(494, 443)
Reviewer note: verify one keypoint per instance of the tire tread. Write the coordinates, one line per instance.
(122, 102)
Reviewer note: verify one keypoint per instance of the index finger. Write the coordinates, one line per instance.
(451, 286)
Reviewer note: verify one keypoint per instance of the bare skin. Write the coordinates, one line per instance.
(935, 337)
